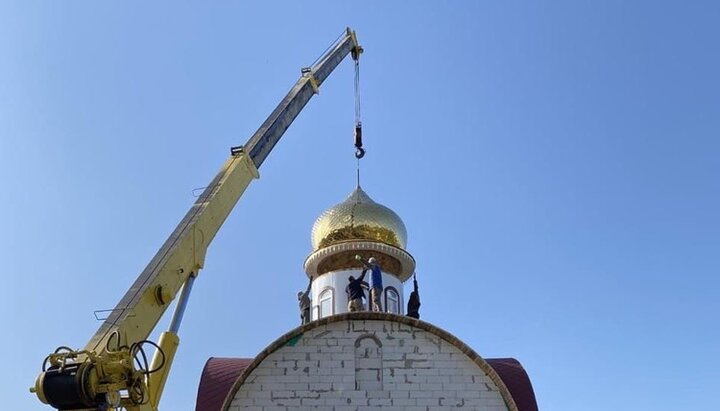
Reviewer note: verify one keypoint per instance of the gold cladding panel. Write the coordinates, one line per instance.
(359, 218)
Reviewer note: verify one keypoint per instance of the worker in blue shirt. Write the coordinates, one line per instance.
(376, 285)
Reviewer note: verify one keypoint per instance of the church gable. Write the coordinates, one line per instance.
(360, 363)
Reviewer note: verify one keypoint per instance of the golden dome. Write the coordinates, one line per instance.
(359, 218)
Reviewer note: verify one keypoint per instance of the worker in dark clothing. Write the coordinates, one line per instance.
(355, 292)
(304, 302)
(413, 307)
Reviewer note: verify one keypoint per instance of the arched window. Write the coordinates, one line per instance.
(392, 300)
(326, 302)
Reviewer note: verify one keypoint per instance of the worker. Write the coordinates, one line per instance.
(304, 302)
(376, 285)
(413, 307)
(355, 292)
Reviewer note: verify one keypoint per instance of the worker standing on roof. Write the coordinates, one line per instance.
(355, 292)
(413, 307)
(376, 285)
(304, 302)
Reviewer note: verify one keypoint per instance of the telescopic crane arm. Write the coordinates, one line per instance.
(103, 375)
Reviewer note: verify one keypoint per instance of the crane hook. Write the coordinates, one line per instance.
(359, 151)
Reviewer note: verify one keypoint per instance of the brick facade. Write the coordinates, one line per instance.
(380, 361)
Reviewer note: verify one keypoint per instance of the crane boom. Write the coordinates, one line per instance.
(269, 133)
(104, 369)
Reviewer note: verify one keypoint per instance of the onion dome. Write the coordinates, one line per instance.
(359, 226)
(359, 218)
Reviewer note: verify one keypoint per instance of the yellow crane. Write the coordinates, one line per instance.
(113, 371)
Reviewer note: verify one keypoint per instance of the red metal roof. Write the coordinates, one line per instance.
(219, 375)
(517, 381)
(217, 379)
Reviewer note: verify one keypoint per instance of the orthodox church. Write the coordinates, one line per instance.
(363, 360)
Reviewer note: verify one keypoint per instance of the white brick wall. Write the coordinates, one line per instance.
(420, 371)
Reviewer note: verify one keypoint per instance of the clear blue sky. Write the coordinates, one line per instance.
(557, 167)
